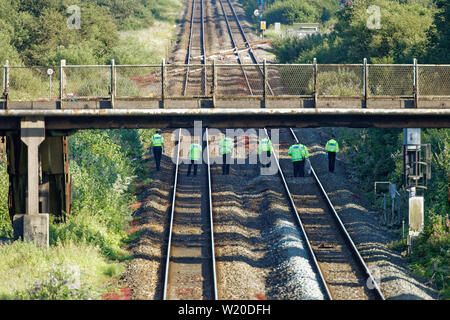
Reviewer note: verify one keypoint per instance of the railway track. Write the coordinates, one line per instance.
(343, 245)
(341, 269)
(190, 272)
(197, 82)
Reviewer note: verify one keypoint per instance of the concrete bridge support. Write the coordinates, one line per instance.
(32, 225)
(39, 180)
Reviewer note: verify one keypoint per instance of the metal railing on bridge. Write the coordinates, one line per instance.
(163, 82)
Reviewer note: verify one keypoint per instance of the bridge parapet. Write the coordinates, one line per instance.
(379, 88)
(157, 81)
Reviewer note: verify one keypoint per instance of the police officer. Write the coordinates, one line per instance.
(332, 147)
(195, 153)
(226, 149)
(299, 153)
(265, 146)
(157, 145)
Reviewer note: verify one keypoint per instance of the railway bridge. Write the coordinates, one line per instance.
(40, 106)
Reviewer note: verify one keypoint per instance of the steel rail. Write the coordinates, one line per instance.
(188, 55)
(202, 36)
(248, 45)
(210, 204)
(172, 213)
(235, 48)
(343, 230)
(303, 231)
(202, 48)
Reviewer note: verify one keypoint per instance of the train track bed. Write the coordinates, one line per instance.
(259, 251)
(144, 273)
(396, 280)
(341, 271)
(189, 274)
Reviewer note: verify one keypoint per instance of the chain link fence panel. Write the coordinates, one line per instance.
(337, 80)
(33, 83)
(391, 80)
(290, 79)
(434, 80)
(88, 81)
(138, 81)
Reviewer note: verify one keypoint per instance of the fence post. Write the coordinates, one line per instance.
(214, 82)
(366, 82)
(6, 81)
(264, 83)
(163, 82)
(62, 83)
(316, 84)
(113, 83)
(416, 84)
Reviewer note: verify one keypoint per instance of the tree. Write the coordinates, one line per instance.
(439, 34)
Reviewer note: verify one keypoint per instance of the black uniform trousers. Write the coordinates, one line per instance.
(226, 159)
(299, 168)
(266, 159)
(157, 151)
(193, 163)
(331, 161)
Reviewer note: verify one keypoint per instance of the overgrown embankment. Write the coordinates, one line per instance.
(86, 255)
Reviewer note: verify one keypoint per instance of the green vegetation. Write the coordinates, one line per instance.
(86, 254)
(408, 29)
(103, 164)
(375, 155)
(291, 11)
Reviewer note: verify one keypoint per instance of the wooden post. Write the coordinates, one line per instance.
(214, 82)
(62, 83)
(316, 82)
(6, 80)
(163, 82)
(366, 82)
(416, 84)
(264, 83)
(113, 83)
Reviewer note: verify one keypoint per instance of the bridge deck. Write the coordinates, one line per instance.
(301, 95)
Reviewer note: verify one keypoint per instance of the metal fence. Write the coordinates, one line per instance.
(166, 81)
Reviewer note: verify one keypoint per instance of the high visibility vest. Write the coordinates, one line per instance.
(332, 146)
(305, 151)
(298, 152)
(157, 140)
(264, 145)
(226, 146)
(195, 152)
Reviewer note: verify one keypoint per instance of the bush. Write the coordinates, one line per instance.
(5, 222)
(290, 11)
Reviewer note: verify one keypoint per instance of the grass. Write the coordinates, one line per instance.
(23, 266)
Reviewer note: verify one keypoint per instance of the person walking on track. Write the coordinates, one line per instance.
(226, 149)
(157, 145)
(195, 153)
(299, 153)
(265, 151)
(332, 147)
